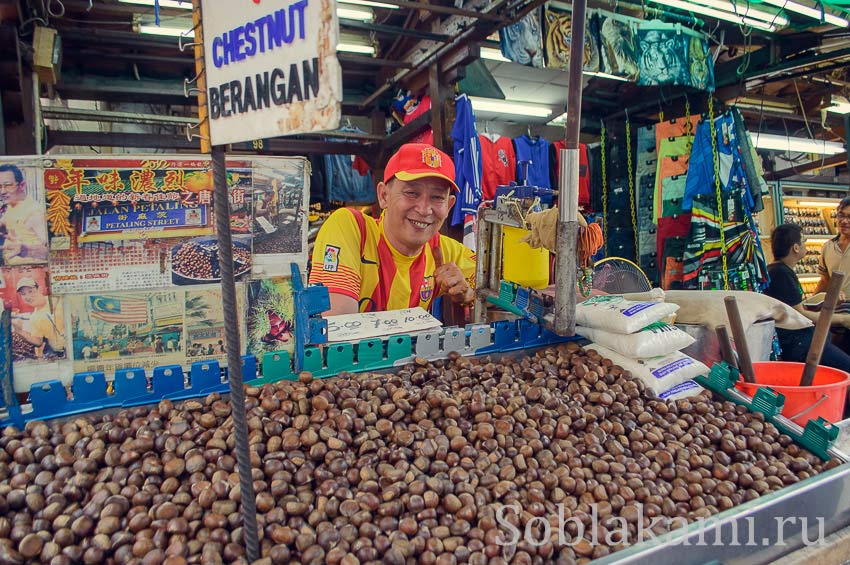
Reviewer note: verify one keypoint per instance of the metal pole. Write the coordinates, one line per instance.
(221, 201)
(567, 232)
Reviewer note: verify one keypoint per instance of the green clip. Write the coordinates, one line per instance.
(312, 360)
(818, 436)
(340, 357)
(721, 378)
(370, 354)
(277, 366)
(398, 347)
(768, 402)
(507, 291)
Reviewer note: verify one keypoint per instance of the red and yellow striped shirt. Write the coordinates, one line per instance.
(352, 256)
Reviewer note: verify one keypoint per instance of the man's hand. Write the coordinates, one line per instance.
(449, 280)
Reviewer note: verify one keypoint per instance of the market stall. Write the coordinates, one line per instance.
(572, 396)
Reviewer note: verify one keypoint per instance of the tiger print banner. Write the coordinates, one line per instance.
(558, 26)
(617, 44)
(649, 53)
(522, 42)
(673, 54)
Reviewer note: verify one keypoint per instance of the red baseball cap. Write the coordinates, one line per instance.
(419, 160)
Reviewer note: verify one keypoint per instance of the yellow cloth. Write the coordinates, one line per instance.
(544, 229)
(381, 278)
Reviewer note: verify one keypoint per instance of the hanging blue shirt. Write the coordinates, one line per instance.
(467, 157)
(343, 182)
(535, 150)
(701, 165)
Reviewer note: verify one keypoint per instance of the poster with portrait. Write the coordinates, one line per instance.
(23, 230)
(117, 330)
(271, 316)
(139, 223)
(38, 321)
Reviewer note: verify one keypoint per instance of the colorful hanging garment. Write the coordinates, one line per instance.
(703, 265)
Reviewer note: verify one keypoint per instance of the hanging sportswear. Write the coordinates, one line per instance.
(467, 159)
(498, 164)
(536, 150)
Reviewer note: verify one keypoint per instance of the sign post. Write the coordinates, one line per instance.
(270, 69)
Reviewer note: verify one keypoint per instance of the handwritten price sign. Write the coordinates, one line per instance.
(352, 327)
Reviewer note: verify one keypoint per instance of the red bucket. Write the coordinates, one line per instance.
(825, 398)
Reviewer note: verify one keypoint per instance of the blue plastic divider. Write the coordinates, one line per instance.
(130, 387)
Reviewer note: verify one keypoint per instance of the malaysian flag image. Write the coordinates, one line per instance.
(119, 310)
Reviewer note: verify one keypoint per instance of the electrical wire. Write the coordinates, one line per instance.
(803, 110)
(61, 5)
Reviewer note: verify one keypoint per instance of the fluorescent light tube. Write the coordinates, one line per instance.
(185, 4)
(355, 48)
(796, 144)
(811, 203)
(508, 107)
(161, 30)
(766, 109)
(493, 55)
(746, 9)
(604, 75)
(355, 13)
(370, 4)
(804, 10)
(714, 13)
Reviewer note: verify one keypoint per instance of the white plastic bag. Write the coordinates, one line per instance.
(616, 314)
(652, 341)
(687, 389)
(659, 374)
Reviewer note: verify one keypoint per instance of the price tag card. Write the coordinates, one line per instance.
(353, 327)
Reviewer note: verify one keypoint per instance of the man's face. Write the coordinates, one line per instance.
(32, 296)
(842, 221)
(10, 189)
(414, 211)
(801, 248)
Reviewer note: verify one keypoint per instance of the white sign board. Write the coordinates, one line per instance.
(271, 68)
(353, 327)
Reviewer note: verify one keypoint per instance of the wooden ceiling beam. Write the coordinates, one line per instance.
(277, 146)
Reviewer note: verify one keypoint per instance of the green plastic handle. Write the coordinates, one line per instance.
(505, 305)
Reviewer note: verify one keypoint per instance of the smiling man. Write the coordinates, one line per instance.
(400, 260)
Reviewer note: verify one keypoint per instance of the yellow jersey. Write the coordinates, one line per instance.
(353, 257)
